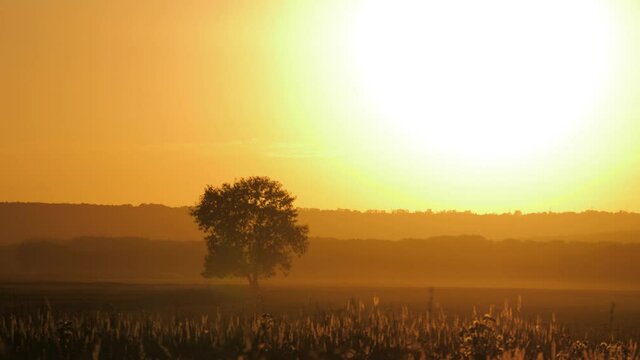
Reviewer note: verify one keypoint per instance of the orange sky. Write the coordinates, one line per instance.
(113, 101)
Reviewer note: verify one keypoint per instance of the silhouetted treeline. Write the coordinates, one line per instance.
(20, 221)
(347, 224)
(102, 259)
(473, 261)
(438, 261)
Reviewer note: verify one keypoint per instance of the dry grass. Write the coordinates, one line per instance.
(358, 330)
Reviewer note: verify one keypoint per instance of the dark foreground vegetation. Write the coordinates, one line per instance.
(111, 321)
(358, 330)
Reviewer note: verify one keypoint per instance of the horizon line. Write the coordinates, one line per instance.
(392, 211)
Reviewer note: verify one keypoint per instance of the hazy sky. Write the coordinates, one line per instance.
(488, 106)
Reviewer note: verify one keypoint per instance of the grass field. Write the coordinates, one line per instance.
(226, 321)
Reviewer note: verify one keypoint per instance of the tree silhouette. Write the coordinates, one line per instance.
(250, 229)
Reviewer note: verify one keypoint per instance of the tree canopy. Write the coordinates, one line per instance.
(250, 229)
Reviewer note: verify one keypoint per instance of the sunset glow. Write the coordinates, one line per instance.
(491, 106)
(362, 179)
(484, 80)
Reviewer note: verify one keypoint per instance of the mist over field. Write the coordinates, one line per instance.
(154, 243)
(463, 261)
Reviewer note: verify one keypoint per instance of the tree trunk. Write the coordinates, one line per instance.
(253, 281)
(255, 287)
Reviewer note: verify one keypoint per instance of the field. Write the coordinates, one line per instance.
(114, 321)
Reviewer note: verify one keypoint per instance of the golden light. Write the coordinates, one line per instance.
(496, 79)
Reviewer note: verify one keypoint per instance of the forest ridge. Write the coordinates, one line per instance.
(22, 221)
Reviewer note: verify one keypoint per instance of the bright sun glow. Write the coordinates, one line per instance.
(482, 79)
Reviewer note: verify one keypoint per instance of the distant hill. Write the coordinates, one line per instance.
(398, 225)
(438, 261)
(20, 221)
(102, 259)
(615, 236)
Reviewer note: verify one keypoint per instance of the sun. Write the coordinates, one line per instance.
(482, 79)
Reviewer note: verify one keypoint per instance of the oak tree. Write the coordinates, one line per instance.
(250, 229)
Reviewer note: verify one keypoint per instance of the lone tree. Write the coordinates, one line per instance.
(250, 229)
